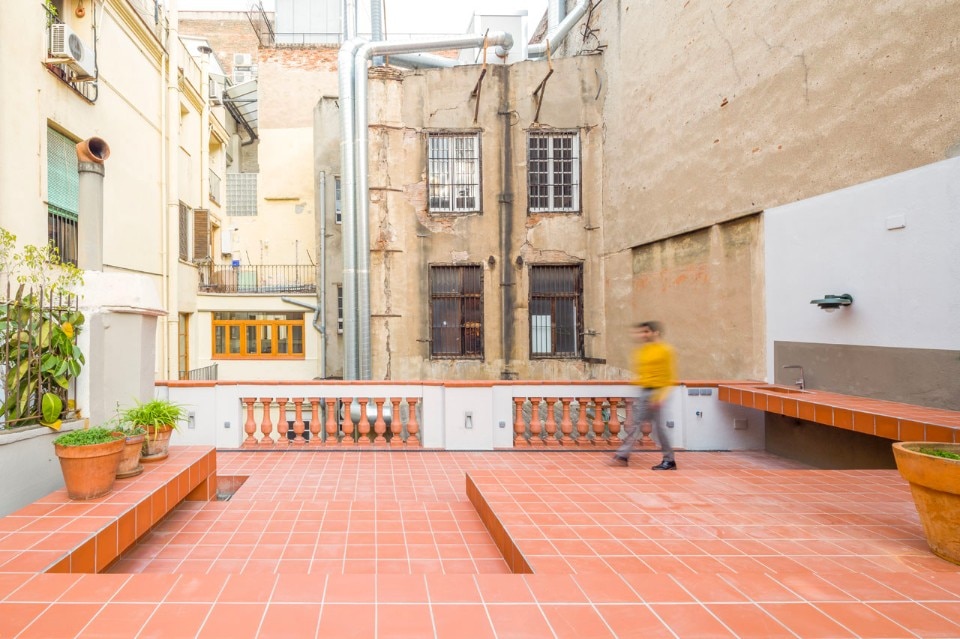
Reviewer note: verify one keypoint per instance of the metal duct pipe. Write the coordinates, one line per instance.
(539, 49)
(423, 61)
(322, 278)
(345, 63)
(556, 10)
(503, 42)
(349, 19)
(376, 27)
(91, 154)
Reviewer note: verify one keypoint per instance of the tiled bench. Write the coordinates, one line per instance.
(891, 420)
(58, 535)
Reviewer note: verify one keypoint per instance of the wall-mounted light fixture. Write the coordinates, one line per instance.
(830, 303)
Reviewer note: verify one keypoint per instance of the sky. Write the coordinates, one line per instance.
(404, 16)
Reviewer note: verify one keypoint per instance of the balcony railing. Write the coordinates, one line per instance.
(263, 279)
(205, 374)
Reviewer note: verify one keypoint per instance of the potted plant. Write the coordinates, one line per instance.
(88, 459)
(933, 471)
(159, 417)
(133, 437)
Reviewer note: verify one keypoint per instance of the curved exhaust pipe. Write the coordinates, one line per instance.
(94, 150)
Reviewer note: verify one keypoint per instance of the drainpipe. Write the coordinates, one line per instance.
(90, 157)
(171, 251)
(361, 210)
(349, 20)
(376, 27)
(345, 64)
(539, 49)
(322, 276)
(423, 61)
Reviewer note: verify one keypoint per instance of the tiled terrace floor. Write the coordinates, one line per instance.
(382, 544)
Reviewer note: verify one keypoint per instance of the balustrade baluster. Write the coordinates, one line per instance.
(266, 425)
(314, 422)
(363, 426)
(598, 425)
(566, 426)
(412, 426)
(282, 425)
(519, 428)
(298, 438)
(331, 425)
(379, 426)
(536, 427)
(396, 437)
(347, 425)
(250, 426)
(614, 423)
(550, 425)
(582, 425)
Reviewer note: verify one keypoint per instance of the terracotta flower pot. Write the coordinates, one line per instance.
(156, 443)
(130, 465)
(89, 471)
(935, 484)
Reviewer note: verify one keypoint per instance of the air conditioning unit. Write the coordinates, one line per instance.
(243, 75)
(66, 47)
(216, 87)
(242, 59)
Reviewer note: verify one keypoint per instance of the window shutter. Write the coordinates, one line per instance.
(63, 181)
(201, 234)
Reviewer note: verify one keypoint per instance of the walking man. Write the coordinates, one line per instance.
(654, 371)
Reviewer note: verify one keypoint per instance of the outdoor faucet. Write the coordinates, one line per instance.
(799, 382)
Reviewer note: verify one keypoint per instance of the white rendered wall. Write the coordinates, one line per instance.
(905, 281)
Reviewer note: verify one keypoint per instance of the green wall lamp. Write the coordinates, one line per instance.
(830, 303)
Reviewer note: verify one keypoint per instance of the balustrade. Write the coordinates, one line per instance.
(330, 423)
(597, 421)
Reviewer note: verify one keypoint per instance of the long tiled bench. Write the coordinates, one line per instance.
(57, 535)
(891, 420)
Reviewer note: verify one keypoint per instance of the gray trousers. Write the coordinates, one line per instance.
(643, 411)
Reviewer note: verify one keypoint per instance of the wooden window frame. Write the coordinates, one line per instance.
(550, 166)
(244, 324)
(469, 332)
(554, 298)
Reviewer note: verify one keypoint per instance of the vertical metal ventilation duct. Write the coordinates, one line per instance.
(554, 38)
(376, 27)
(355, 177)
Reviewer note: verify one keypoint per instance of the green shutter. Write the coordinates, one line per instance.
(63, 182)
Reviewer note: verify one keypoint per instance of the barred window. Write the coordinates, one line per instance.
(453, 173)
(556, 311)
(553, 171)
(456, 311)
(63, 195)
(254, 335)
(242, 194)
(338, 199)
(339, 308)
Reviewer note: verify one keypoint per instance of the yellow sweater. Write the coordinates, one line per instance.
(654, 366)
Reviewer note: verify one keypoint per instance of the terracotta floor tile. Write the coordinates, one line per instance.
(346, 621)
(175, 621)
(14, 617)
(403, 620)
(237, 621)
(863, 620)
(351, 588)
(119, 621)
(691, 620)
(503, 588)
(634, 621)
(289, 621)
(748, 621)
(454, 588)
(921, 620)
(461, 621)
(806, 621)
(519, 622)
(148, 588)
(61, 620)
(575, 621)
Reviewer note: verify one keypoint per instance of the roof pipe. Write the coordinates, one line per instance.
(345, 63)
(423, 61)
(376, 26)
(554, 39)
(503, 42)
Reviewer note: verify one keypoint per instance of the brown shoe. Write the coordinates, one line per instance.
(665, 465)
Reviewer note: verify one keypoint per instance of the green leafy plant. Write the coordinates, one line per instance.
(939, 452)
(86, 437)
(38, 330)
(157, 412)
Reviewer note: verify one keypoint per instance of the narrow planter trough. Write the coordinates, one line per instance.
(935, 485)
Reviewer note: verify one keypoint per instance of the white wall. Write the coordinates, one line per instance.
(904, 281)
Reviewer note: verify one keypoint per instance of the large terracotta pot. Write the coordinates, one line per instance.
(89, 471)
(156, 443)
(130, 465)
(935, 484)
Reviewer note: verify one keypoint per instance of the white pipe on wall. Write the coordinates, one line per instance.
(539, 49)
